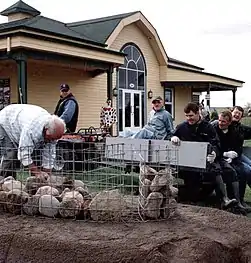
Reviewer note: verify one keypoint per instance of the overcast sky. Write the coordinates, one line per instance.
(214, 34)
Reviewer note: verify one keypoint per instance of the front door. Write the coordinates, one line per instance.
(131, 109)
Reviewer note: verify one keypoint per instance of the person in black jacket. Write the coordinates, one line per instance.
(244, 130)
(231, 146)
(199, 130)
(67, 108)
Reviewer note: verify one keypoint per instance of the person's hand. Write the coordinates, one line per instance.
(175, 140)
(228, 160)
(211, 157)
(42, 176)
(230, 154)
(48, 171)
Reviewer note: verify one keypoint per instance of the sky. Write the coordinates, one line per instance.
(215, 34)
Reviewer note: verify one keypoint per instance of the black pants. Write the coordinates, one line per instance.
(193, 181)
(237, 170)
(229, 173)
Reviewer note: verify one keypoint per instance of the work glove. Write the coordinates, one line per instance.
(211, 157)
(230, 154)
(175, 140)
(228, 160)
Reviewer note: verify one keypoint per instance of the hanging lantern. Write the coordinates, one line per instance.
(150, 94)
(115, 92)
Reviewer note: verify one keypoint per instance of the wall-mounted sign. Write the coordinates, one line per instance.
(207, 96)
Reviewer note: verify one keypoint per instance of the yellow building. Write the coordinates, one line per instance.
(118, 55)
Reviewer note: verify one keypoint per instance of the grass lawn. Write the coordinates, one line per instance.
(248, 195)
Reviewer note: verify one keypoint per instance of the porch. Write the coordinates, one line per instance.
(29, 76)
(199, 87)
(196, 81)
(32, 68)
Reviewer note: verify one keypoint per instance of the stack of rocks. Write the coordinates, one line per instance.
(54, 197)
(157, 193)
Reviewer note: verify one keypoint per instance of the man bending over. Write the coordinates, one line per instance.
(24, 128)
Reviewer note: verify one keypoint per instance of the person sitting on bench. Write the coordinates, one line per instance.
(244, 130)
(159, 126)
(199, 130)
(231, 142)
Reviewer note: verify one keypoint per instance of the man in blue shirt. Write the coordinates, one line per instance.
(159, 125)
(67, 108)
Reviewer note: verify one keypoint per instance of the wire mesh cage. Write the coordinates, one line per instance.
(99, 181)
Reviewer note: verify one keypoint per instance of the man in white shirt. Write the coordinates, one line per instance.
(24, 128)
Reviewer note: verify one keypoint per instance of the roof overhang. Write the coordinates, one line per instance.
(147, 29)
(46, 43)
(182, 64)
(199, 80)
(57, 35)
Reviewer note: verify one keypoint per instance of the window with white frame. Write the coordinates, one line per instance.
(169, 100)
(132, 76)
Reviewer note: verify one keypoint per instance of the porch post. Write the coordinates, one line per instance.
(22, 81)
(109, 83)
(208, 95)
(21, 61)
(234, 96)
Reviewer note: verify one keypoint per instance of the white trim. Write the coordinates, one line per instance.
(131, 60)
(139, 59)
(138, 70)
(149, 31)
(142, 101)
(172, 97)
(132, 93)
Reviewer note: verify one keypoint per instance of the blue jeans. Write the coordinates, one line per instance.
(141, 134)
(247, 168)
(245, 160)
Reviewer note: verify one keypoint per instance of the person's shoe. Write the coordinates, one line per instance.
(246, 207)
(228, 202)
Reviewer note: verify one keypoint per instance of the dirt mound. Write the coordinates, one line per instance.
(196, 234)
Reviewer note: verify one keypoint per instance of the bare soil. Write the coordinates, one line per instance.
(195, 234)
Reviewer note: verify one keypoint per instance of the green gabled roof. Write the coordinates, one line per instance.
(49, 26)
(99, 29)
(94, 31)
(20, 7)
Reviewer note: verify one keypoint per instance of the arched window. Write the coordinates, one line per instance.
(132, 89)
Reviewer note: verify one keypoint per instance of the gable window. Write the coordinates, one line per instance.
(169, 100)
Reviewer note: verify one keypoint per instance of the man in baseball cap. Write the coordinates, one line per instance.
(64, 88)
(158, 98)
(67, 108)
(160, 123)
